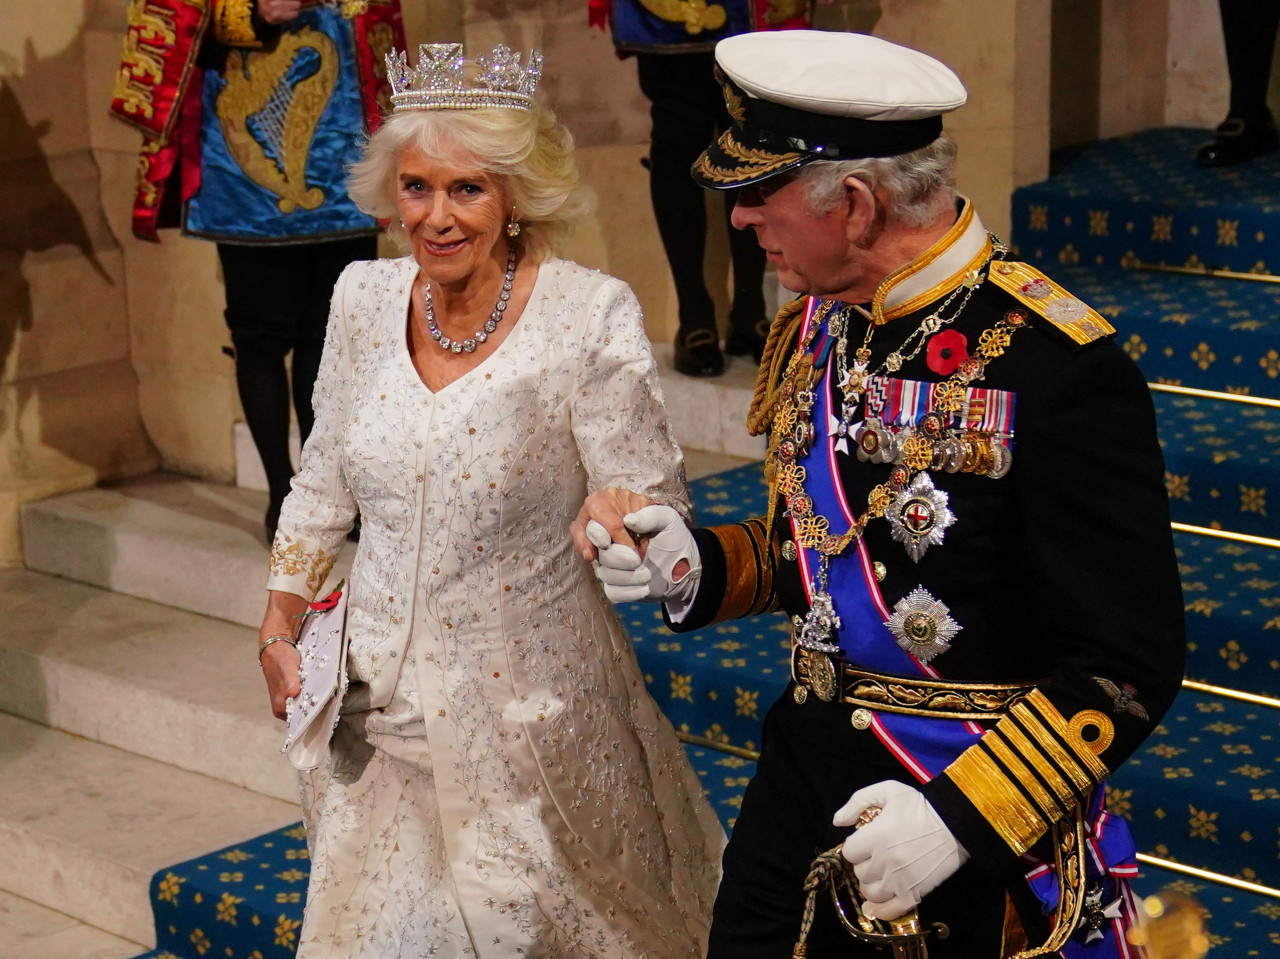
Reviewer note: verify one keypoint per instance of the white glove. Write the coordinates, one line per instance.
(618, 567)
(627, 579)
(901, 855)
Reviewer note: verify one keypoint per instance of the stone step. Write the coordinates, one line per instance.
(90, 824)
(1141, 196)
(1194, 331)
(711, 414)
(197, 546)
(160, 682)
(1231, 592)
(31, 931)
(183, 542)
(1200, 790)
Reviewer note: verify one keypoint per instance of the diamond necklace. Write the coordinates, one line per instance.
(469, 344)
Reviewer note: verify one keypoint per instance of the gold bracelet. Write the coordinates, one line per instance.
(278, 638)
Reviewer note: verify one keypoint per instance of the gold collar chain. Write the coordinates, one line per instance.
(793, 432)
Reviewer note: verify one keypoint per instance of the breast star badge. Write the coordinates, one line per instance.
(922, 625)
(919, 516)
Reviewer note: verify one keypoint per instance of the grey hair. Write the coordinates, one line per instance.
(529, 152)
(919, 186)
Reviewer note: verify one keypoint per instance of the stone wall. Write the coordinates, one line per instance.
(69, 393)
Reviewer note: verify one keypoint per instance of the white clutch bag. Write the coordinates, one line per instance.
(312, 715)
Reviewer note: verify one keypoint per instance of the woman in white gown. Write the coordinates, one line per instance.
(501, 784)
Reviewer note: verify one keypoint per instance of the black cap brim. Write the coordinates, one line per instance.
(728, 163)
(766, 139)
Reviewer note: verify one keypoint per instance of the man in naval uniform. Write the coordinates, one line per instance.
(967, 522)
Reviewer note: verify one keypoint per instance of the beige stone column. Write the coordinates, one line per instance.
(69, 412)
(1000, 50)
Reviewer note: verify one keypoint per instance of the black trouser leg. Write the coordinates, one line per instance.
(277, 303)
(685, 107)
(1249, 29)
(261, 318)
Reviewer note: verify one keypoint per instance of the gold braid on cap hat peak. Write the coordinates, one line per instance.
(438, 81)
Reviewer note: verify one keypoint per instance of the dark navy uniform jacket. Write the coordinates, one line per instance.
(1062, 573)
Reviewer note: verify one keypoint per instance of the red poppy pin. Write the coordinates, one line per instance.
(947, 350)
(330, 601)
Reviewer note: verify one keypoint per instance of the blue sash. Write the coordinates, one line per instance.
(927, 746)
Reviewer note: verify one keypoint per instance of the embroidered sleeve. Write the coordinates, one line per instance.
(1101, 568)
(738, 564)
(750, 557)
(1035, 768)
(619, 417)
(320, 509)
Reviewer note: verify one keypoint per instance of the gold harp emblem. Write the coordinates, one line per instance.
(269, 111)
(696, 15)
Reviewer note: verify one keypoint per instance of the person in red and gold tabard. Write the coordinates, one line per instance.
(967, 521)
(251, 111)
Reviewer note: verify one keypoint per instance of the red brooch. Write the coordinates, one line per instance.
(330, 601)
(947, 350)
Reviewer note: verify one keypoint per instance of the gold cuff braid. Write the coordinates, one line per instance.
(1030, 771)
(749, 561)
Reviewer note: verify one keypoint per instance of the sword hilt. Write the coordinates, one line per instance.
(912, 946)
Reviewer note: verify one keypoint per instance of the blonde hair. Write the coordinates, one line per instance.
(529, 152)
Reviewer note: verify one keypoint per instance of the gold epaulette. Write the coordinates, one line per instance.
(782, 335)
(1070, 316)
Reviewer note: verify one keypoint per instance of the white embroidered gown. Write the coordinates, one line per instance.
(501, 784)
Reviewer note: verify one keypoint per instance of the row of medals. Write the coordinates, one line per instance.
(952, 451)
(929, 445)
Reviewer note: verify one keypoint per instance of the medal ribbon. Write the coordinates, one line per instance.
(1110, 864)
(898, 403)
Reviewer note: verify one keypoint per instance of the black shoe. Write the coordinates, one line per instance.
(1235, 141)
(749, 343)
(698, 353)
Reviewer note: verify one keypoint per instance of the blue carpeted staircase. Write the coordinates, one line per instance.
(1204, 792)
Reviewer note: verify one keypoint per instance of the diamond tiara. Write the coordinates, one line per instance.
(438, 83)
